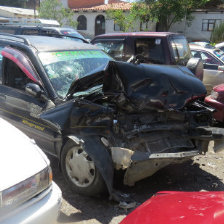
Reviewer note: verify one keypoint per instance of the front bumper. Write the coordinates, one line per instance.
(139, 165)
(44, 209)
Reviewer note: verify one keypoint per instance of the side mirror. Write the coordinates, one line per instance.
(33, 89)
(195, 65)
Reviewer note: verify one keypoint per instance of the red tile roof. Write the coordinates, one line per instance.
(74, 4)
(122, 5)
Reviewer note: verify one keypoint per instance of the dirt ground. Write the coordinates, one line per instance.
(204, 172)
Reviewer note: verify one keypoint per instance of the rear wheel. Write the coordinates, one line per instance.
(80, 171)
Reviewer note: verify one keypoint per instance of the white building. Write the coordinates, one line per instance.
(202, 25)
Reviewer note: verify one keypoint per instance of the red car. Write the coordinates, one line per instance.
(180, 207)
(216, 100)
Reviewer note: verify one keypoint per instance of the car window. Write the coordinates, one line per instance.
(180, 49)
(219, 53)
(14, 76)
(30, 32)
(65, 67)
(209, 59)
(115, 48)
(196, 54)
(151, 49)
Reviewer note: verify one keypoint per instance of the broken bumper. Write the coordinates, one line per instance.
(139, 165)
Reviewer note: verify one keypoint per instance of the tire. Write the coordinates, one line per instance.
(80, 171)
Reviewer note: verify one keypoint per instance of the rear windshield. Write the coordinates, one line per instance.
(72, 33)
(151, 49)
(180, 49)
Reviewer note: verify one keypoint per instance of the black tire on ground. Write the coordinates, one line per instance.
(83, 177)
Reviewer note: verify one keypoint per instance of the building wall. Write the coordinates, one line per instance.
(65, 3)
(109, 24)
(194, 30)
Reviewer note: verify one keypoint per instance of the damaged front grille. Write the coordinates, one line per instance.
(156, 132)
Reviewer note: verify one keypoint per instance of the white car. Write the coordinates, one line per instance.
(213, 60)
(220, 46)
(27, 193)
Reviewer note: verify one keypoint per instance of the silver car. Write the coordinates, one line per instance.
(27, 193)
(213, 60)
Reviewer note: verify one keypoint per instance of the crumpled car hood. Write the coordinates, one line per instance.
(151, 87)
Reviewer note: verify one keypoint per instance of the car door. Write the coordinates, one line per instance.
(212, 76)
(21, 108)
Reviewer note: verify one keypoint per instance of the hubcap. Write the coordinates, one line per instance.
(80, 167)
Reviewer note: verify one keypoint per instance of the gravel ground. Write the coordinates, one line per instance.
(204, 172)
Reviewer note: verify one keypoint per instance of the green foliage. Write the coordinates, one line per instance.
(141, 12)
(167, 12)
(123, 20)
(53, 9)
(13, 3)
(217, 35)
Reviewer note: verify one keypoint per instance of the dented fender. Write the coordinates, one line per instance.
(101, 157)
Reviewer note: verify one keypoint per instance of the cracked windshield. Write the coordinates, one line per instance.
(65, 67)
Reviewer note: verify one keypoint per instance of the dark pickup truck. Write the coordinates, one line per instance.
(149, 47)
(156, 47)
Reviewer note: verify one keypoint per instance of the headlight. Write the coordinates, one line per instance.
(26, 189)
(214, 95)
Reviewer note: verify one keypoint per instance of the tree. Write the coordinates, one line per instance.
(53, 9)
(127, 20)
(141, 12)
(217, 35)
(123, 20)
(167, 12)
(13, 3)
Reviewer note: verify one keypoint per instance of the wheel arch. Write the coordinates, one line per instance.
(99, 154)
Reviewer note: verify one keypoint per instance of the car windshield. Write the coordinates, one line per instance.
(65, 67)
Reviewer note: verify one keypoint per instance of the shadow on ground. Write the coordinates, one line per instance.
(179, 177)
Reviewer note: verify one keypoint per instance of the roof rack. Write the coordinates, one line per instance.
(14, 38)
(28, 22)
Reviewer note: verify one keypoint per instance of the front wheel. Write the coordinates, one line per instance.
(80, 171)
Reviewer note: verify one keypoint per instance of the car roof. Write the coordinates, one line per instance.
(153, 34)
(219, 45)
(45, 43)
(198, 47)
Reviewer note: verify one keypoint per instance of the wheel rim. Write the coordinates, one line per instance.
(80, 167)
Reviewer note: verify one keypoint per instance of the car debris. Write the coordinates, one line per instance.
(97, 115)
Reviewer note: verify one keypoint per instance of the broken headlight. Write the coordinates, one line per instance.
(26, 189)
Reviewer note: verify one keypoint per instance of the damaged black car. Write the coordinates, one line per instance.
(97, 115)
